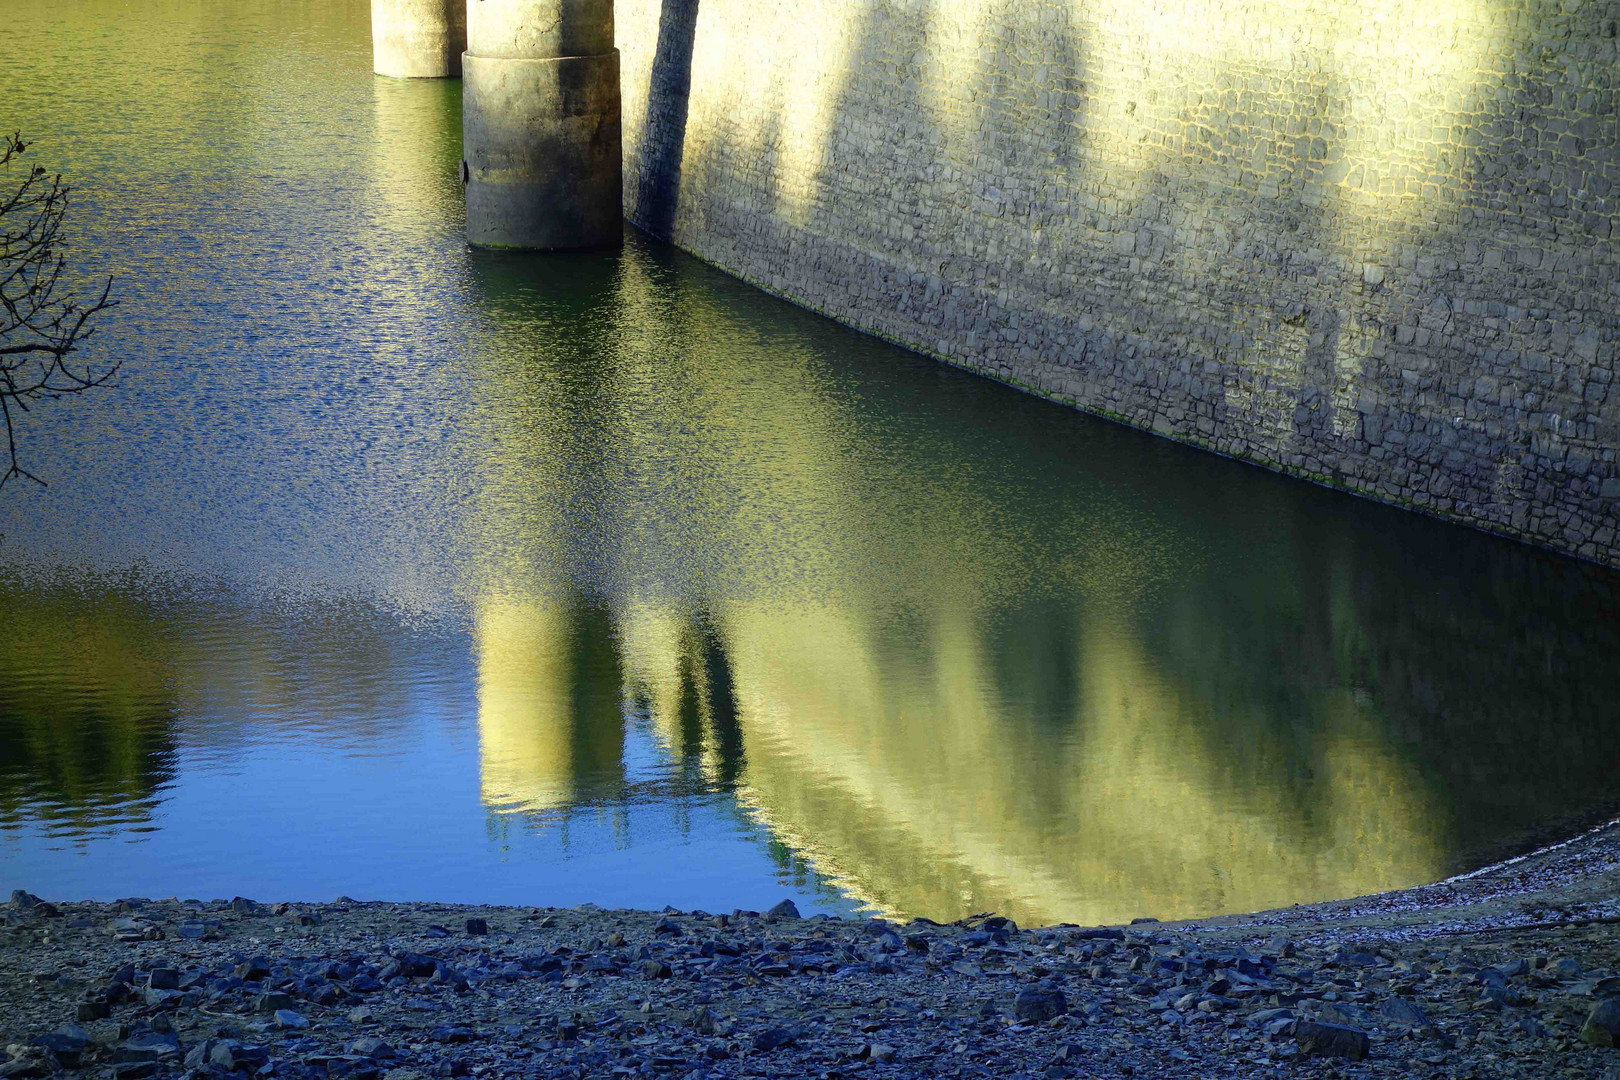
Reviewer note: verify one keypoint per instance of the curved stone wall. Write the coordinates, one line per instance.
(1367, 244)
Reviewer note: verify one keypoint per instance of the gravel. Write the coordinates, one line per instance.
(1510, 973)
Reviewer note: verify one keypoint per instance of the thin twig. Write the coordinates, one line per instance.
(39, 329)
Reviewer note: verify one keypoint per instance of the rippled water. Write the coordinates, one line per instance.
(399, 570)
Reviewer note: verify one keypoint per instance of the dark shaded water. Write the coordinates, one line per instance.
(398, 570)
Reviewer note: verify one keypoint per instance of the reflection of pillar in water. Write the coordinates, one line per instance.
(708, 671)
(418, 39)
(550, 719)
(679, 666)
(540, 122)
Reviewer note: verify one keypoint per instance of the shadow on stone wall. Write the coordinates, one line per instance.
(658, 187)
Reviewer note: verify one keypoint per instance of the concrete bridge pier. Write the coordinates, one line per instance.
(540, 125)
(418, 39)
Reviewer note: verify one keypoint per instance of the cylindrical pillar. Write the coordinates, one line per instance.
(540, 125)
(418, 39)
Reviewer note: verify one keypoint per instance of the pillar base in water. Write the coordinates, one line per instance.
(418, 39)
(543, 165)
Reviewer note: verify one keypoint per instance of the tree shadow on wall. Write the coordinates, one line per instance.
(658, 187)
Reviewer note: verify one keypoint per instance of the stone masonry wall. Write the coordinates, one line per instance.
(1368, 243)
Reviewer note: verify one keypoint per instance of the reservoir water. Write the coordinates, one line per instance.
(404, 571)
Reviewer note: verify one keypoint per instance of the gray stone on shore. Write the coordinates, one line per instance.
(253, 969)
(1347, 1014)
(231, 1055)
(200, 1054)
(287, 1018)
(774, 1038)
(66, 1043)
(1036, 1004)
(1332, 1040)
(787, 909)
(372, 1047)
(1405, 1012)
(152, 1046)
(94, 1009)
(163, 978)
(703, 1021)
(1602, 1026)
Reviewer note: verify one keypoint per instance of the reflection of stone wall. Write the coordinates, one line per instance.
(900, 779)
(1367, 244)
(958, 667)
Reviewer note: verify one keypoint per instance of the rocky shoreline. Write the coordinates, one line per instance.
(1511, 972)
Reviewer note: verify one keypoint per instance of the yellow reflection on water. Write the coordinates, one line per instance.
(904, 778)
(550, 728)
(855, 667)
(963, 653)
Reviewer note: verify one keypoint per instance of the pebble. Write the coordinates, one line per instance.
(163, 979)
(232, 1055)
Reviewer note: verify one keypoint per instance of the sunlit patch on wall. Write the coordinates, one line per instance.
(1354, 352)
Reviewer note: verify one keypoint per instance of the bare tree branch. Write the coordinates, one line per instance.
(39, 328)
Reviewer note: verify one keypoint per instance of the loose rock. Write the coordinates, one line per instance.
(1331, 1040)
(1602, 1027)
(1035, 1004)
(785, 909)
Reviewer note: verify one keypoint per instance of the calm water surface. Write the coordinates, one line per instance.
(404, 571)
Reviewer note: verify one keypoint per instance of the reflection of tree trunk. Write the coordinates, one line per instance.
(689, 715)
